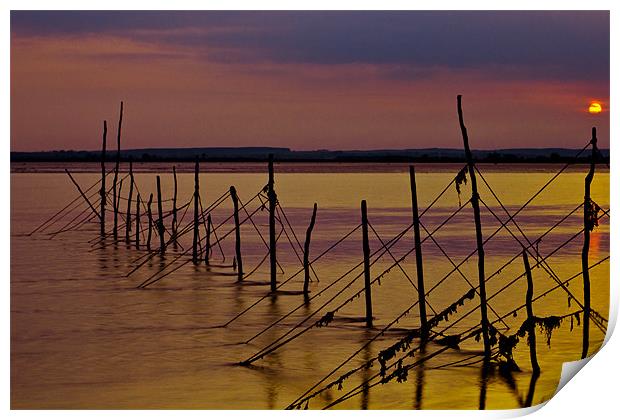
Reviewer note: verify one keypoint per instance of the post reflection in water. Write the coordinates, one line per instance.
(484, 379)
(366, 372)
(531, 390)
(419, 381)
(272, 379)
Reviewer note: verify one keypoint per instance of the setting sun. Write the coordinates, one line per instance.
(595, 108)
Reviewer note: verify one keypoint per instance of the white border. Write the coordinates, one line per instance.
(592, 395)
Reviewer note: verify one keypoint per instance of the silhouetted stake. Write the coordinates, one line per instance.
(366, 249)
(115, 207)
(103, 174)
(530, 314)
(196, 223)
(174, 204)
(129, 200)
(271, 194)
(138, 202)
(237, 261)
(418, 256)
(307, 252)
(116, 194)
(160, 220)
(484, 321)
(585, 251)
(150, 216)
(118, 203)
(82, 194)
(208, 240)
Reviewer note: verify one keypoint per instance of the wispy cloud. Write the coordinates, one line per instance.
(536, 45)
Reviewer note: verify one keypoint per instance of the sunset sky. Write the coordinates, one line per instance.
(308, 80)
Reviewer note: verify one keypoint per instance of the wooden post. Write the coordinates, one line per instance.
(585, 251)
(484, 321)
(307, 252)
(238, 261)
(196, 203)
(271, 194)
(116, 195)
(129, 199)
(530, 314)
(366, 250)
(174, 204)
(103, 174)
(114, 208)
(118, 199)
(208, 240)
(160, 220)
(138, 221)
(418, 256)
(150, 216)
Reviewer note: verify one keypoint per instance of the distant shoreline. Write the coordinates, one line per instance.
(295, 167)
(260, 154)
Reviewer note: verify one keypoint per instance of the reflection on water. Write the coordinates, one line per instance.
(531, 389)
(83, 336)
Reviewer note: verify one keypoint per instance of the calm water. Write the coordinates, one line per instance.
(83, 336)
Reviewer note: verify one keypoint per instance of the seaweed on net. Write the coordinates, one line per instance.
(592, 211)
(389, 353)
(459, 179)
(404, 343)
(337, 382)
(325, 319)
(451, 341)
(444, 315)
(547, 325)
(507, 343)
(400, 372)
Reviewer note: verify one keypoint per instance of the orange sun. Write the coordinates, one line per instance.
(595, 108)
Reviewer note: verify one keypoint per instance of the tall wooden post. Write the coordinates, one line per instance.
(150, 216)
(129, 200)
(196, 224)
(588, 225)
(116, 195)
(208, 240)
(138, 221)
(366, 250)
(174, 204)
(103, 190)
(530, 314)
(160, 220)
(114, 208)
(307, 251)
(118, 201)
(271, 194)
(418, 256)
(239, 262)
(484, 321)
